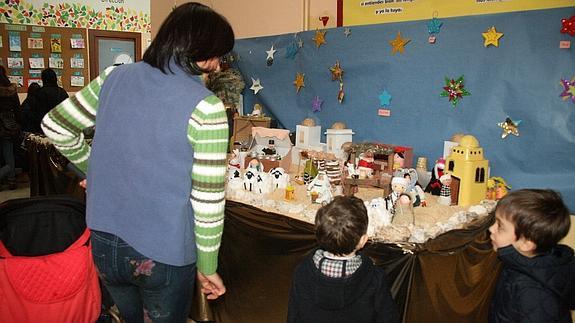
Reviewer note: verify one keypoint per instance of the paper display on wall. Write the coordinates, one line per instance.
(15, 44)
(36, 62)
(56, 62)
(18, 79)
(35, 43)
(56, 43)
(15, 62)
(77, 43)
(76, 62)
(34, 80)
(77, 80)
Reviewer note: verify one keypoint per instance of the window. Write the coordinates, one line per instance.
(451, 165)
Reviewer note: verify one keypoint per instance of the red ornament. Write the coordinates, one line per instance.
(568, 26)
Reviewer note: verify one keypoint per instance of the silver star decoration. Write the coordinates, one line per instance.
(300, 43)
(347, 32)
(256, 86)
(271, 53)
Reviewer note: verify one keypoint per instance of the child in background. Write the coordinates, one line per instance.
(334, 284)
(537, 283)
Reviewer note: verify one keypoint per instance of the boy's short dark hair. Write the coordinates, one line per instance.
(538, 215)
(340, 224)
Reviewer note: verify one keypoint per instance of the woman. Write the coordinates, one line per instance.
(9, 128)
(27, 108)
(48, 96)
(155, 185)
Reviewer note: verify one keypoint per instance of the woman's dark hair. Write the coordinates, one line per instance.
(340, 225)
(49, 77)
(4, 80)
(191, 33)
(33, 88)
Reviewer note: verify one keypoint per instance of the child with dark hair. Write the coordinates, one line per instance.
(537, 283)
(334, 283)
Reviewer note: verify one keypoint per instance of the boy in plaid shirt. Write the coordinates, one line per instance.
(334, 284)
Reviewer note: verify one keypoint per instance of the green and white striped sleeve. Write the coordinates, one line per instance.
(63, 125)
(208, 133)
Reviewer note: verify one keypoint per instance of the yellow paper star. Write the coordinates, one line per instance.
(491, 37)
(398, 43)
(319, 38)
(299, 82)
(336, 72)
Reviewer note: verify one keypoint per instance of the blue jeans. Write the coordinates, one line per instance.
(9, 168)
(143, 289)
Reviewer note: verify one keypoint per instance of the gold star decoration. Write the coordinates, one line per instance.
(398, 43)
(491, 37)
(319, 38)
(299, 82)
(510, 127)
(336, 72)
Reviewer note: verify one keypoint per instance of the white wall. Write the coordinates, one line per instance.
(253, 18)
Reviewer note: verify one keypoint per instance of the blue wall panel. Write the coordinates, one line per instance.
(520, 78)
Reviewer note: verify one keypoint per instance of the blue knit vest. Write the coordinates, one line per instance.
(139, 175)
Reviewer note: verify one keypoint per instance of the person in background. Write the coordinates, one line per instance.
(49, 96)
(537, 283)
(27, 107)
(334, 283)
(9, 128)
(156, 168)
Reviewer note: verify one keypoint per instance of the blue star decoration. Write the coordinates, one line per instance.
(434, 25)
(316, 104)
(292, 50)
(385, 99)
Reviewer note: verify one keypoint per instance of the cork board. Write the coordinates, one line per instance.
(26, 50)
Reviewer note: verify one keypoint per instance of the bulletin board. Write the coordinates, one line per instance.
(65, 50)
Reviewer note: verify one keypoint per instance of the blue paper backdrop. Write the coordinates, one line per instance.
(520, 79)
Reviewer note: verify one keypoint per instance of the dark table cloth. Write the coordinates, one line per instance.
(447, 279)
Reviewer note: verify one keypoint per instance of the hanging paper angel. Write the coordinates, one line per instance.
(455, 90)
(340, 93)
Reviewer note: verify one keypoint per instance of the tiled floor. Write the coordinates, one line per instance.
(23, 189)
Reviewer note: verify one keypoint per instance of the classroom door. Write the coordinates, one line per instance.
(109, 48)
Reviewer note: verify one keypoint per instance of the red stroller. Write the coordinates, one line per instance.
(46, 268)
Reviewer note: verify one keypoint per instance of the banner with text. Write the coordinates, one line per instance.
(363, 12)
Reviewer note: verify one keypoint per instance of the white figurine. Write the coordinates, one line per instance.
(263, 183)
(279, 178)
(251, 175)
(321, 187)
(378, 214)
(445, 193)
(351, 171)
(413, 189)
(234, 165)
(397, 195)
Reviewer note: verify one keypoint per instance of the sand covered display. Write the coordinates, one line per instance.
(409, 224)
